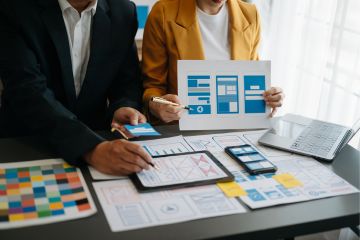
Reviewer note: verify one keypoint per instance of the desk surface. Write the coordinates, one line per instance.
(269, 223)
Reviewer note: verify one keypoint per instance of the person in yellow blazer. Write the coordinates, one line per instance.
(196, 30)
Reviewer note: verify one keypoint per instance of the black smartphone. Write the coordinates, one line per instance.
(250, 159)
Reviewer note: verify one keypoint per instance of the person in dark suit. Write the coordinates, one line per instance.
(70, 67)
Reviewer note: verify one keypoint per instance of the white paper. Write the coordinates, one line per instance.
(223, 94)
(181, 169)
(126, 209)
(157, 147)
(263, 191)
(97, 175)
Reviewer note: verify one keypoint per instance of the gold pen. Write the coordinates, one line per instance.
(164, 101)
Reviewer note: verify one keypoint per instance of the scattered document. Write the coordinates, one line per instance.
(126, 209)
(142, 129)
(223, 94)
(301, 178)
(42, 192)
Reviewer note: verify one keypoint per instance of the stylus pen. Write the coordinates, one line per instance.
(164, 101)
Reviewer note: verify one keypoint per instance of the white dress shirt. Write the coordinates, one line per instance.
(78, 27)
(214, 32)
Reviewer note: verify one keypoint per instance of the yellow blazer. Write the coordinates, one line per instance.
(172, 33)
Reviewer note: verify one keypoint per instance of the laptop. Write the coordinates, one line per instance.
(298, 134)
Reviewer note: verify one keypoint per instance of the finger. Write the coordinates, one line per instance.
(274, 104)
(142, 118)
(273, 112)
(134, 159)
(173, 109)
(134, 118)
(273, 91)
(273, 98)
(139, 150)
(172, 98)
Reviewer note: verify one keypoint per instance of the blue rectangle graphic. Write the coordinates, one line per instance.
(142, 14)
(227, 94)
(199, 94)
(254, 86)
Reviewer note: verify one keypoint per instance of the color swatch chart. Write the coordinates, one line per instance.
(40, 192)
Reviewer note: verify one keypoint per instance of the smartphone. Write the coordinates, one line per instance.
(250, 159)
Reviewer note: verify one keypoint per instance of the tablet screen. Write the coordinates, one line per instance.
(181, 169)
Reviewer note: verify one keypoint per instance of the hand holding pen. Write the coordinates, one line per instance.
(167, 108)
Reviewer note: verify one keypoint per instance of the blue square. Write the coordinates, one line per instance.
(255, 106)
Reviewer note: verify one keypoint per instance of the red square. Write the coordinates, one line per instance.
(84, 207)
(60, 176)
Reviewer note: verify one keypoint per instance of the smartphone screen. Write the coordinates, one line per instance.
(251, 159)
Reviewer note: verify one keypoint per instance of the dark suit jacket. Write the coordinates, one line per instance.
(35, 66)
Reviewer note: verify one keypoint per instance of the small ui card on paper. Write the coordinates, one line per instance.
(224, 94)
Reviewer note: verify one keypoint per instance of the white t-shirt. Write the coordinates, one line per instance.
(214, 32)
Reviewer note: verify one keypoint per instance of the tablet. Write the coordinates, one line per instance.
(181, 170)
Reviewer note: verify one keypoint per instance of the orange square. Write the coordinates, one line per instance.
(2, 171)
(72, 174)
(23, 174)
(25, 185)
(74, 180)
(55, 206)
(31, 215)
(84, 207)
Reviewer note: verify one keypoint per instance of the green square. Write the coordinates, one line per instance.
(54, 199)
(44, 213)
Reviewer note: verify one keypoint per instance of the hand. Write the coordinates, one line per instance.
(127, 115)
(164, 112)
(118, 157)
(274, 98)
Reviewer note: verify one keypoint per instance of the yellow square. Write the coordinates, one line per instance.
(2, 171)
(16, 217)
(287, 180)
(232, 189)
(4, 205)
(36, 178)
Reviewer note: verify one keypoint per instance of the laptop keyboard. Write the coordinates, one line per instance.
(318, 138)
